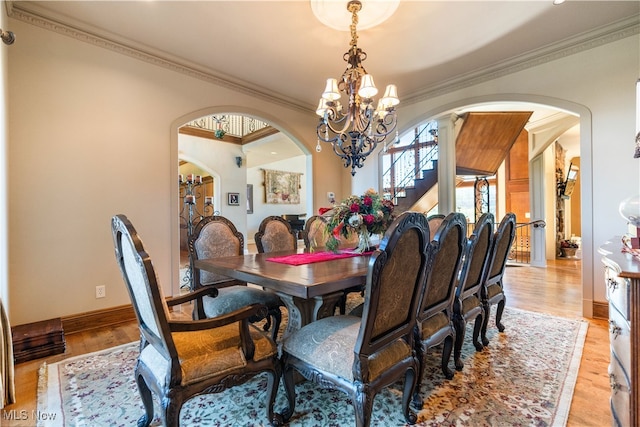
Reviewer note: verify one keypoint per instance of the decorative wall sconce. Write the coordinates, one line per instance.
(239, 161)
(7, 36)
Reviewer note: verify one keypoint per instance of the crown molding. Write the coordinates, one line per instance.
(16, 12)
(582, 42)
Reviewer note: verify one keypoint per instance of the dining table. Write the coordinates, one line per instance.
(309, 284)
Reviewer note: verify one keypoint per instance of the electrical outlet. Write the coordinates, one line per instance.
(101, 291)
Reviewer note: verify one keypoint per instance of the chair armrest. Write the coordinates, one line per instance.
(199, 293)
(242, 314)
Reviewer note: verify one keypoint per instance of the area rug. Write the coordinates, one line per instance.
(525, 376)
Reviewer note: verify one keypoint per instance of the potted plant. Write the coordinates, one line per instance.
(568, 248)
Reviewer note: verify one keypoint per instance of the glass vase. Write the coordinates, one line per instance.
(364, 242)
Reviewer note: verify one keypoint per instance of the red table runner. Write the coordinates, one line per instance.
(309, 258)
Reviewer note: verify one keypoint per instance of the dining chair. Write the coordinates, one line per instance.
(275, 234)
(216, 236)
(492, 291)
(362, 355)
(315, 235)
(434, 222)
(467, 305)
(180, 359)
(435, 312)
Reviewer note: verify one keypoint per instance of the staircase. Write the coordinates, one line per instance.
(411, 167)
(422, 185)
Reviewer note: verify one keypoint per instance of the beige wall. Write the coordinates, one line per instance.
(91, 136)
(598, 84)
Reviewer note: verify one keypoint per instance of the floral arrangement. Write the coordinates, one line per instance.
(568, 244)
(366, 215)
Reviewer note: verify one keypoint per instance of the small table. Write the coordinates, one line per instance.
(310, 291)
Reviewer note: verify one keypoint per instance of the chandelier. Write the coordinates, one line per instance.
(356, 130)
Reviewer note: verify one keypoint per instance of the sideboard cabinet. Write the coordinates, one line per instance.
(622, 276)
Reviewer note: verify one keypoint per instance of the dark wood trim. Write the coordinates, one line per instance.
(98, 319)
(203, 133)
(600, 310)
(259, 134)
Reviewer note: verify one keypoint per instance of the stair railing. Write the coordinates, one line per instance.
(520, 253)
(407, 166)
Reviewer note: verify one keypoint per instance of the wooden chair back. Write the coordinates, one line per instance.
(314, 233)
(275, 235)
(146, 295)
(499, 254)
(445, 259)
(434, 222)
(214, 237)
(476, 257)
(394, 284)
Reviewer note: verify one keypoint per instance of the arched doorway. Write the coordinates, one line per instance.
(234, 159)
(565, 117)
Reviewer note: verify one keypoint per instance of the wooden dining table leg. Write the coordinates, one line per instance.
(304, 311)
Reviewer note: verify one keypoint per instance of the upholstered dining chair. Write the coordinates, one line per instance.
(213, 237)
(274, 235)
(467, 305)
(362, 355)
(315, 235)
(492, 291)
(182, 359)
(435, 313)
(434, 222)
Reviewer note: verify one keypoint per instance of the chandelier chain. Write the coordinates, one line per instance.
(354, 7)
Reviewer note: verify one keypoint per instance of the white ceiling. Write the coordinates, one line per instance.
(280, 49)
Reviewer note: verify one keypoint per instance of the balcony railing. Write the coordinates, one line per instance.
(404, 163)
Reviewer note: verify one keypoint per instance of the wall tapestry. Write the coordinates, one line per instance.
(282, 187)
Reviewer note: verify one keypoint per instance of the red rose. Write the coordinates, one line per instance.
(368, 219)
(367, 201)
(355, 207)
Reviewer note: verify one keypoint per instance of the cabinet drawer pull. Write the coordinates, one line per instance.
(614, 329)
(613, 285)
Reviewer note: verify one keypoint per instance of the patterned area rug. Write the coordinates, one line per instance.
(525, 376)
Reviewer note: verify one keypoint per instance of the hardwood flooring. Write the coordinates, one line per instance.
(553, 290)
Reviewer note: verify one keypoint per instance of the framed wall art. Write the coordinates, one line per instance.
(282, 187)
(233, 199)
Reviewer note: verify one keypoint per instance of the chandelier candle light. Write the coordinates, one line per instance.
(356, 131)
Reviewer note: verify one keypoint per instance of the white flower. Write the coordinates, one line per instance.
(355, 220)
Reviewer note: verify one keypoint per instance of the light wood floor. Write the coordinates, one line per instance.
(554, 290)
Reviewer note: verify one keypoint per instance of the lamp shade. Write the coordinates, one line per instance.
(322, 107)
(390, 98)
(331, 92)
(367, 88)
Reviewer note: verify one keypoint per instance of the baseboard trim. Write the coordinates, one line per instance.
(600, 310)
(98, 319)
